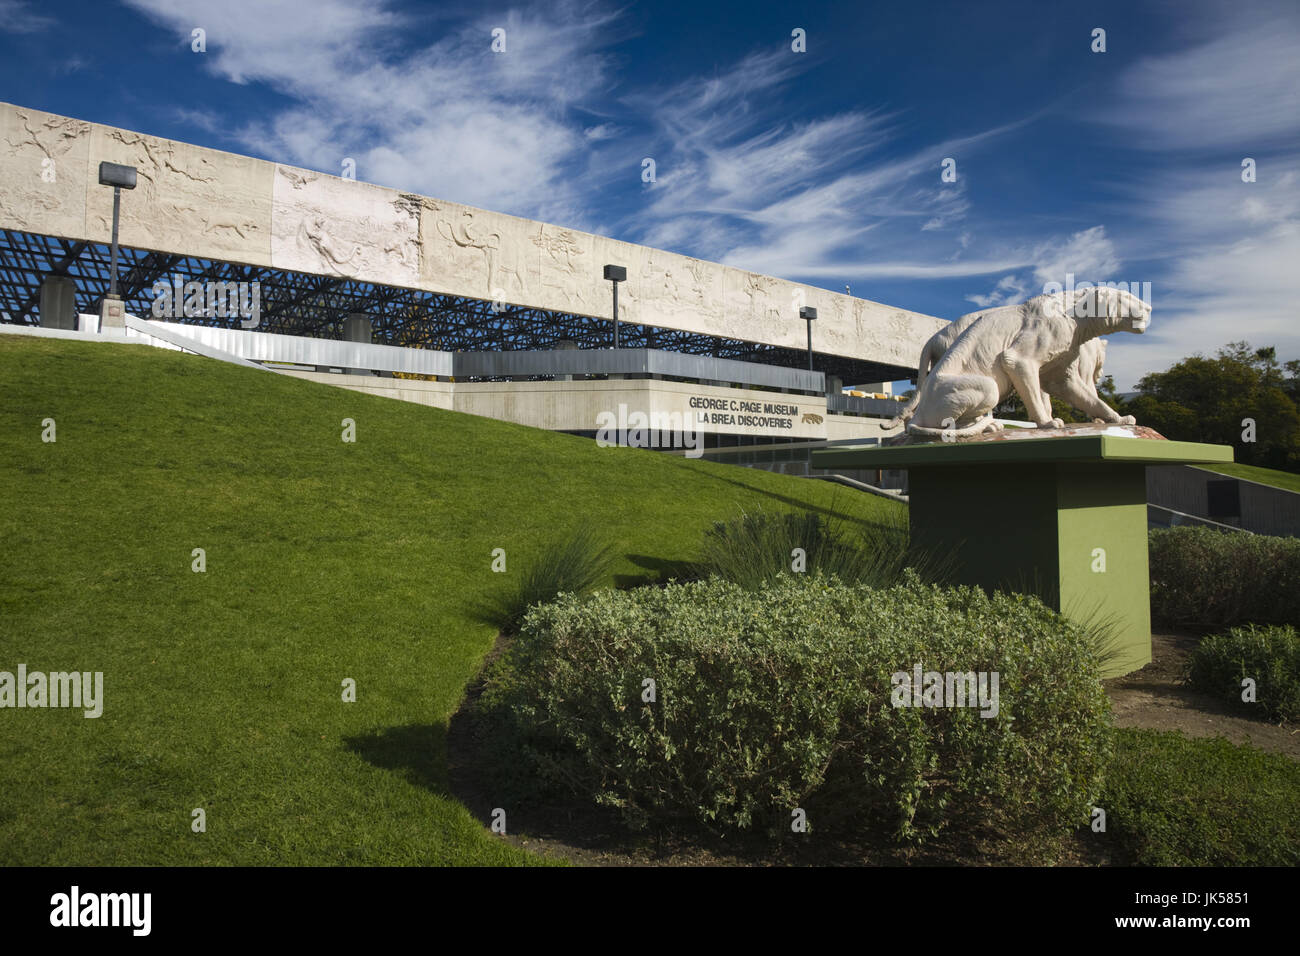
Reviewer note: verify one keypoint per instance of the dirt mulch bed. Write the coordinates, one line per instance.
(1154, 698)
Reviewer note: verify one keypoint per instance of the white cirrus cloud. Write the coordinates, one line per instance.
(19, 17)
(1240, 88)
(451, 119)
(1223, 252)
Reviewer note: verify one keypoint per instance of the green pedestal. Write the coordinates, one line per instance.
(1064, 518)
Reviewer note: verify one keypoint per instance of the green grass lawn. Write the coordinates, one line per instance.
(1172, 800)
(325, 561)
(1264, 476)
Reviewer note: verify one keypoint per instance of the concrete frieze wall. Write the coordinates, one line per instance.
(212, 204)
(578, 406)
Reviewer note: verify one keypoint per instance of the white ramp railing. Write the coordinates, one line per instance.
(298, 349)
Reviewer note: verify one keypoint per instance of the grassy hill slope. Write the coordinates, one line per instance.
(325, 561)
(1264, 476)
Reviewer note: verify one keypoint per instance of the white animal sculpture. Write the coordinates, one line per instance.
(1075, 384)
(1034, 348)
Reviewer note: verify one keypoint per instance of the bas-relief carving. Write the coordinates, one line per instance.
(762, 308)
(468, 251)
(866, 329)
(204, 202)
(43, 165)
(187, 199)
(756, 308)
(832, 331)
(570, 272)
(670, 290)
(899, 331)
(340, 227)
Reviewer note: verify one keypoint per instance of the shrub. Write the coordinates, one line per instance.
(574, 564)
(1207, 578)
(754, 548)
(1268, 655)
(767, 700)
(1175, 801)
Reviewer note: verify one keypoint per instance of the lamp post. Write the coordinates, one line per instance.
(119, 177)
(616, 274)
(808, 313)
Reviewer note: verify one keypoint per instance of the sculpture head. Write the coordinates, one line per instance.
(1121, 310)
(1140, 314)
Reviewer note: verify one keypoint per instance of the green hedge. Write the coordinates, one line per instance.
(1268, 655)
(1175, 801)
(777, 699)
(1206, 578)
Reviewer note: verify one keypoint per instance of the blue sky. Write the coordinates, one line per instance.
(822, 166)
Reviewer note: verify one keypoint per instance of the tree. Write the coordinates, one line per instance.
(1208, 400)
(1291, 385)
(1011, 407)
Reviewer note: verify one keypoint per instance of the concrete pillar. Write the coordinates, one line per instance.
(112, 313)
(834, 385)
(565, 345)
(357, 328)
(58, 303)
(1074, 498)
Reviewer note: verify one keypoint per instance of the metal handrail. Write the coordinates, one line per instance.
(1199, 520)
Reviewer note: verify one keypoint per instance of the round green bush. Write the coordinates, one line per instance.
(770, 700)
(1201, 577)
(1270, 656)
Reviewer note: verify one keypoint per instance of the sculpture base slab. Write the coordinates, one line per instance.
(1014, 433)
(1064, 518)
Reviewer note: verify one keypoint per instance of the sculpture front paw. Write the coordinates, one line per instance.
(1054, 423)
(1128, 420)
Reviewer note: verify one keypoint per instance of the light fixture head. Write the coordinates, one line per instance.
(115, 174)
(807, 312)
(616, 273)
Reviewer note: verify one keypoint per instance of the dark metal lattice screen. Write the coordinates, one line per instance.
(297, 303)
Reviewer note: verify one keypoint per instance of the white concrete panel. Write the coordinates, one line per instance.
(762, 309)
(43, 172)
(668, 290)
(187, 199)
(842, 427)
(330, 226)
(574, 406)
(472, 252)
(572, 273)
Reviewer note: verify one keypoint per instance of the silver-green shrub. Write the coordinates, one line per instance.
(780, 698)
